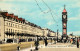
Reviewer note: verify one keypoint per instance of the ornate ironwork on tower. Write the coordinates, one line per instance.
(64, 24)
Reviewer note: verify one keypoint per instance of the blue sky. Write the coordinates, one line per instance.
(29, 10)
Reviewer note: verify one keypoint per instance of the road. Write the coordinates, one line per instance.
(56, 47)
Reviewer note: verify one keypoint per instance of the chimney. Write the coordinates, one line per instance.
(23, 20)
(11, 15)
(20, 19)
(16, 17)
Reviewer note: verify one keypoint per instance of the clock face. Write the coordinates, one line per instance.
(64, 24)
(64, 31)
(64, 16)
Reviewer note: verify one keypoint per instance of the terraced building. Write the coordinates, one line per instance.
(17, 29)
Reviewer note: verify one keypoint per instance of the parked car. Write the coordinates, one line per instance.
(22, 40)
(0, 42)
(9, 41)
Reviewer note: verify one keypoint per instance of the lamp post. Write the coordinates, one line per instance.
(4, 28)
(57, 35)
(72, 35)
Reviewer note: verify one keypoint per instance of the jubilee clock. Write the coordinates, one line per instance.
(64, 24)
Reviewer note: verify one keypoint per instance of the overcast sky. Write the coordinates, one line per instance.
(29, 10)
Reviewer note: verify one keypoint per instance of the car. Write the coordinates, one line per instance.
(9, 41)
(0, 42)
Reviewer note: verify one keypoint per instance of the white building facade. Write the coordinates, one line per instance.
(12, 27)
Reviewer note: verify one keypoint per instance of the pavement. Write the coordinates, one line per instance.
(55, 47)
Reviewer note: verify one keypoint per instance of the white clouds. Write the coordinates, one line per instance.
(7, 0)
(75, 32)
(29, 10)
(50, 23)
(13, 8)
(5, 6)
(59, 1)
(74, 18)
(17, 0)
(8, 7)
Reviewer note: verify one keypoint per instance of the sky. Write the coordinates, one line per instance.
(29, 10)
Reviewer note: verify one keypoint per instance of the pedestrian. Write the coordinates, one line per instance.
(45, 41)
(77, 43)
(51, 40)
(36, 43)
(71, 41)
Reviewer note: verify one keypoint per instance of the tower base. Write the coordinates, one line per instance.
(64, 38)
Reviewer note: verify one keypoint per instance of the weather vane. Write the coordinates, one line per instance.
(64, 6)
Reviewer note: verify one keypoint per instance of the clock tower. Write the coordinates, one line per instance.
(64, 24)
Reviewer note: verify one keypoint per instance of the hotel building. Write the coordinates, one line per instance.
(15, 28)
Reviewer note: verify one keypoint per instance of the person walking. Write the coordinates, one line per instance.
(45, 41)
(36, 43)
(71, 41)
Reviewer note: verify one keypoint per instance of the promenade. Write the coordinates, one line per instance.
(27, 46)
(55, 47)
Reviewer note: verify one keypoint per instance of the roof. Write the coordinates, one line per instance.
(16, 17)
(11, 15)
(64, 10)
(20, 19)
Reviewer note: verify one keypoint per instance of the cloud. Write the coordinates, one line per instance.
(7, 0)
(50, 23)
(16, 0)
(30, 11)
(6, 6)
(75, 32)
(74, 18)
(77, 4)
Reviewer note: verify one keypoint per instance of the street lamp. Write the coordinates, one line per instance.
(57, 35)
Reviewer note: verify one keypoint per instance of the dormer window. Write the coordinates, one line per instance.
(19, 21)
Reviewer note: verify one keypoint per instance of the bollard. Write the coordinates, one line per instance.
(36, 48)
(18, 48)
(31, 50)
(31, 47)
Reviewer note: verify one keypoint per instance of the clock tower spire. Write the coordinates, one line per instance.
(64, 9)
(64, 24)
(64, 6)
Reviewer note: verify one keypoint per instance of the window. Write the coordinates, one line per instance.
(9, 30)
(13, 25)
(9, 24)
(19, 21)
(18, 31)
(13, 30)
(16, 26)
